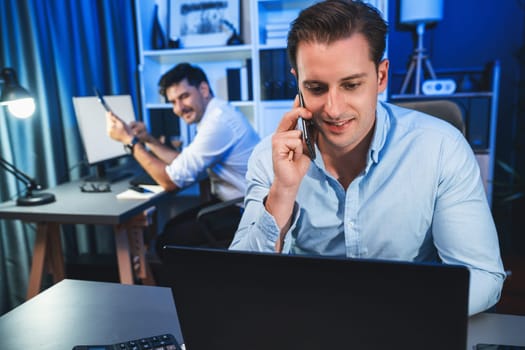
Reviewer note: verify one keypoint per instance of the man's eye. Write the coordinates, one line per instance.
(351, 86)
(315, 90)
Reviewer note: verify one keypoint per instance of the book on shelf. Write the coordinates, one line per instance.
(276, 34)
(250, 78)
(278, 26)
(239, 82)
(276, 41)
(244, 83)
(277, 82)
(233, 78)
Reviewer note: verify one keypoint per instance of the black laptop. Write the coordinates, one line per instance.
(252, 301)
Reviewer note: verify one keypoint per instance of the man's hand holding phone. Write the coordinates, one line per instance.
(290, 164)
(291, 156)
(139, 130)
(306, 128)
(117, 129)
(101, 99)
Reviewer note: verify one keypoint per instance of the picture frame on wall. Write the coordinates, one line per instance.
(201, 23)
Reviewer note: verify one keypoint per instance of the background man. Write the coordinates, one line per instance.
(220, 150)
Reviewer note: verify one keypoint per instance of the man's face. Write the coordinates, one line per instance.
(189, 102)
(340, 86)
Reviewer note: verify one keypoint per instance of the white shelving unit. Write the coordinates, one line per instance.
(214, 60)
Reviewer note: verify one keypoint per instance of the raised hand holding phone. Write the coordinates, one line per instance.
(117, 129)
(101, 100)
(305, 126)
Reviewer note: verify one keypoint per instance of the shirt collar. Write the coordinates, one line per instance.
(381, 130)
(211, 108)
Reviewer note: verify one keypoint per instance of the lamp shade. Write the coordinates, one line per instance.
(16, 98)
(13, 93)
(421, 11)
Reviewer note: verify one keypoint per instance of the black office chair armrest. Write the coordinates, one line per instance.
(217, 225)
(218, 206)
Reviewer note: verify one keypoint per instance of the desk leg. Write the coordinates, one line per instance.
(39, 257)
(138, 248)
(47, 251)
(131, 250)
(123, 255)
(55, 257)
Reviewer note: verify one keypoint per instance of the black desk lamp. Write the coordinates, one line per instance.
(20, 103)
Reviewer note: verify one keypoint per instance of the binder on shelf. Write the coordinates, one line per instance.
(279, 73)
(233, 79)
(239, 82)
(265, 59)
(277, 82)
(250, 78)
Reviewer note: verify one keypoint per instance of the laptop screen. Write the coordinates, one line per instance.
(238, 300)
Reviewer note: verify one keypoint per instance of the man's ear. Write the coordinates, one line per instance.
(204, 89)
(382, 75)
(292, 70)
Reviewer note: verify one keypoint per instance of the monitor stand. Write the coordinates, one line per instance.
(110, 175)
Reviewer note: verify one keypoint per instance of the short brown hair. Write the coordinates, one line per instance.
(195, 76)
(331, 20)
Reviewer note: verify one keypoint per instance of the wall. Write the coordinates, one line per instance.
(471, 34)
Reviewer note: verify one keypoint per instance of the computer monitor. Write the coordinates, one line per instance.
(91, 119)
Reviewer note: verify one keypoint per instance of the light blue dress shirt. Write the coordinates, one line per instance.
(420, 198)
(221, 148)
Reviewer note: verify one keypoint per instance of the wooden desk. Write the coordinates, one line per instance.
(81, 312)
(89, 313)
(127, 216)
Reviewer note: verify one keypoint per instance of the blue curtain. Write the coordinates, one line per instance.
(59, 49)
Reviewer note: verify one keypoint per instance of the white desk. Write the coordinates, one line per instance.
(81, 312)
(488, 328)
(88, 313)
(127, 216)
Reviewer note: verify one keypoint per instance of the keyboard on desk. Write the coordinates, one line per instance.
(159, 342)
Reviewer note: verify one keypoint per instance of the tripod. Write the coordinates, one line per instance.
(418, 58)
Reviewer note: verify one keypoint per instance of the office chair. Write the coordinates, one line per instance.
(218, 222)
(443, 109)
(208, 223)
(215, 219)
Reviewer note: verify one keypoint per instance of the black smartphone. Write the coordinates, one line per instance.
(305, 128)
(101, 99)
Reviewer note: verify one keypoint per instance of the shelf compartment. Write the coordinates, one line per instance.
(216, 53)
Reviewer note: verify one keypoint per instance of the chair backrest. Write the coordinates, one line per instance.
(443, 109)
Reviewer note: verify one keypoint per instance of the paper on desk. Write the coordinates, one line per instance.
(132, 194)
